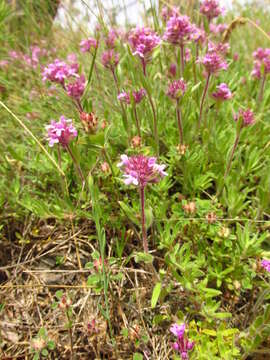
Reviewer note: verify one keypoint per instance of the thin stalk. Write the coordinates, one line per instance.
(144, 235)
(144, 67)
(260, 97)
(232, 154)
(77, 165)
(155, 123)
(70, 336)
(182, 60)
(137, 121)
(107, 158)
(179, 122)
(203, 98)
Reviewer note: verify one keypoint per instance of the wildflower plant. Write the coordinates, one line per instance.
(140, 170)
(182, 345)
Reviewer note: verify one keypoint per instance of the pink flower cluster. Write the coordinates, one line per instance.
(88, 44)
(247, 117)
(219, 48)
(141, 170)
(167, 12)
(110, 59)
(223, 92)
(182, 345)
(266, 264)
(198, 35)
(61, 132)
(178, 30)
(59, 71)
(177, 89)
(76, 89)
(111, 38)
(143, 41)
(218, 29)
(137, 95)
(211, 9)
(261, 62)
(213, 62)
(32, 59)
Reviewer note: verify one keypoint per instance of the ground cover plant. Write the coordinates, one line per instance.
(135, 184)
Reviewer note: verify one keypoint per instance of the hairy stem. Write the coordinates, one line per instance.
(182, 54)
(144, 235)
(260, 97)
(154, 123)
(179, 122)
(137, 121)
(203, 98)
(232, 154)
(77, 165)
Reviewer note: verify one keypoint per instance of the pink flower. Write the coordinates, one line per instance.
(198, 35)
(141, 170)
(76, 89)
(235, 56)
(143, 41)
(247, 117)
(260, 54)
(223, 92)
(261, 62)
(218, 28)
(88, 44)
(266, 264)
(72, 58)
(59, 71)
(182, 345)
(178, 330)
(61, 132)
(219, 48)
(178, 30)
(211, 9)
(213, 62)
(110, 59)
(111, 38)
(177, 89)
(4, 64)
(14, 54)
(167, 12)
(137, 95)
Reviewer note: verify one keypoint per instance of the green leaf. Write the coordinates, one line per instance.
(229, 332)
(209, 332)
(129, 212)
(44, 352)
(143, 257)
(155, 294)
(137, 356)
(51, 345)
(59, 294)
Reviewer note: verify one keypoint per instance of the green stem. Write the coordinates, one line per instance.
(144, 235)
(77, 165)
(203, 99)
(155, 123)
(232, 154)
(137, 121)
(179, 122)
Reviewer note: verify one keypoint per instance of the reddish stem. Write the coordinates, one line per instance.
(137, 121)
(182, 60)
(262, 88)
(203, 98)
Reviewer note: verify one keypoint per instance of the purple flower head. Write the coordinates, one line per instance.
(143, 41)
(111, 38)
(88, 44)
(222, 93)
(141, 170)
(61, 132)
(182, 345)
(260, 54)
(220, 48)
(178, 330)
(76, 89)
(14, 54)
(211, 9)
(137, 95)
(214, 62)
(72, 58)
(179, 30)
(218, 29)
(247, 117)
(167, 12)
(59, 71)
(266, 264)
(177, 89)
(110, 59)
(198, 35)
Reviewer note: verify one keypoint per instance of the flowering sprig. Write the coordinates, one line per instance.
(261, 67)
(87, 45)
(182, 345)
(59, 71)
(213, 62)
(244, 118)
(222, 93)
(211, 9)
(140, 170)
(143, 41)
